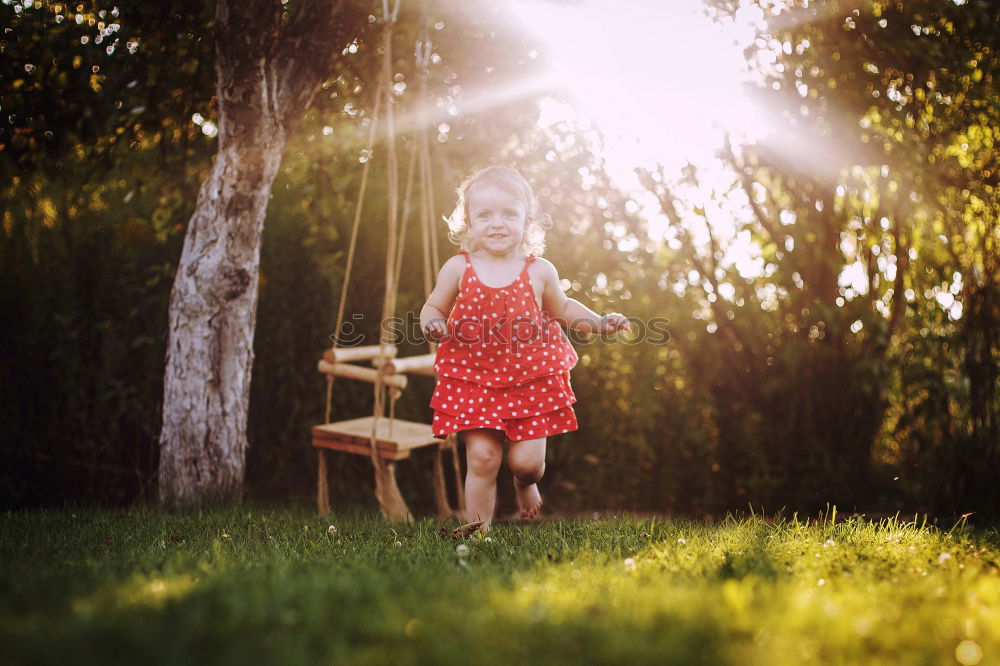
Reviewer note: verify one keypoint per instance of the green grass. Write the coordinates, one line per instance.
(270, 585)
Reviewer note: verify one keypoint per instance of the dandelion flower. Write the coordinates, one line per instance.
(331, 530)
(681, 540)
(462, 551)
(944, 557)
(630, 564)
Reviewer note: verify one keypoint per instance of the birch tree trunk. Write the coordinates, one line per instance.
(266, 76)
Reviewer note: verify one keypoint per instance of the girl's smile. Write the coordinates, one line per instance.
(497, 219)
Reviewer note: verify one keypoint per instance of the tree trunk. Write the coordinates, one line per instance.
(266, 77)
(212, 312)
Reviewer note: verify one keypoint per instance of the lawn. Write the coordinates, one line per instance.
(281, 585)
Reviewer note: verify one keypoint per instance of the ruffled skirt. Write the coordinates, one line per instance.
(539, 408)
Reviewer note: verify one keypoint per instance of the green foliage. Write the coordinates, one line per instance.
(92, 80)
(85, 278)
(770, 394)
(880, 167)
(273, 585)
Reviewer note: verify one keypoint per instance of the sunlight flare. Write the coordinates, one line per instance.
(664, 85)
(662, 81)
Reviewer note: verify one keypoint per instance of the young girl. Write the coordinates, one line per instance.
(503, 363)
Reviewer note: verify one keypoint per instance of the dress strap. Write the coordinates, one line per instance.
(527, 261)
(468, 262)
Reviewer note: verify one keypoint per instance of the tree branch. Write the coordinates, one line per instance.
(666, 200)
(310, 45)
(870, 263)
(758, 212)
(902, 252)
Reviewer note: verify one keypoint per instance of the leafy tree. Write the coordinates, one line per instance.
(879, 111)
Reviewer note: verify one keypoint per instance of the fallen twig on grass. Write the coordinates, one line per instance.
(463, 531)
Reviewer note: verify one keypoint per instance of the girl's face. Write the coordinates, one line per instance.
(497, 219)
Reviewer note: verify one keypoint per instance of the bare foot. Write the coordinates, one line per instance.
(529, 501)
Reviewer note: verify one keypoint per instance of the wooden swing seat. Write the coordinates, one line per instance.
(394, 438)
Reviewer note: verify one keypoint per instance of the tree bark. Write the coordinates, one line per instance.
(266, 76)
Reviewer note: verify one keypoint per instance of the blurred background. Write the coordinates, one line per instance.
(805, 191)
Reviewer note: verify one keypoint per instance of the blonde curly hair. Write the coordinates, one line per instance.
(513, 183)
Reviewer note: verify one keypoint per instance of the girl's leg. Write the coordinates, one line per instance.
(483, 453)
(527, 461)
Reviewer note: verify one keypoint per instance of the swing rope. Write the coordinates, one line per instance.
(396, 227)
(389, 299)
(352, 245)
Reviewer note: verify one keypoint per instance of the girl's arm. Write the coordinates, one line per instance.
(433, 314)
(572, 313)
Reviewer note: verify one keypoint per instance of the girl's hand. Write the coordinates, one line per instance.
(614, 322)
(435, 329)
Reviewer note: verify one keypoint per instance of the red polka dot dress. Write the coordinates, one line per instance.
(504, 363)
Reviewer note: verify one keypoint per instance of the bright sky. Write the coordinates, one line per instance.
(662, 82)
(658, 77)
